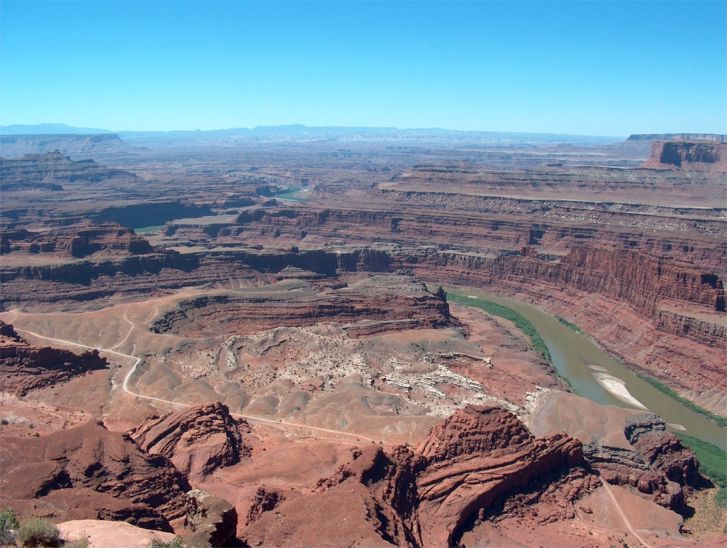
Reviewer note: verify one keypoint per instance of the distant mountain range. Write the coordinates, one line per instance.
(302, 132)
(49, 129)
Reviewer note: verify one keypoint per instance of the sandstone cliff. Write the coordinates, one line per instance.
(79, 242)
(24, 367)
(55, 167)
(688, 155)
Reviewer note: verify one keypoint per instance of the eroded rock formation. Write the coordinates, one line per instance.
(372, 305)
(429, 496)
(78, 242)
(657, 465)
(24, 367)
(210, 520)
(88, 472)
(54, 168)
(198, 439)
(688, 155)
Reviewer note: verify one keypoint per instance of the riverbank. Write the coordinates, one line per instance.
(590, 371)
(717, 419)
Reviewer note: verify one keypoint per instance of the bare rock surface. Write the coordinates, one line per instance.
(110, 534)
(198, 440)
(210, 520)
(689, 155)
(90, 472)
(430, 496)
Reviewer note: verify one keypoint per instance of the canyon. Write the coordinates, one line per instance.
(255, 342)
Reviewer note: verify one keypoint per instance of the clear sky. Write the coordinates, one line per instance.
(599, 68)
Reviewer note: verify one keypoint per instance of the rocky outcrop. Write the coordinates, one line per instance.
(265, 500)
(78, 242)
(54, 168)
(87, 472)
(479, 457)
(209, 520)
(83, 145)
(24, 367)
(662, 450)
(198, 440)
(372, 305)
(658, 464)
(688, 155)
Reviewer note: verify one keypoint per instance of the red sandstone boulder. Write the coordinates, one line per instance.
(198, 439)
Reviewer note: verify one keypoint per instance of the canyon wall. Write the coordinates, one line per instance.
(688, 155)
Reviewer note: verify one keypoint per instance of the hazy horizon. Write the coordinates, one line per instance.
(574, 68)
(71, 129)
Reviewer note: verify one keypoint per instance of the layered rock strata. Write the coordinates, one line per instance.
(88, 472)
(375, 304)
(197, 440)
(429, 496)
(55, 167)
(657, 465)
(24, 367)
(688, 155)
(77, 242)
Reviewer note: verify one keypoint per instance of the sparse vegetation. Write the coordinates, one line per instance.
(520, 321)
(38, 532)
(8, 519)
(146, 230)
(176, 543)
(8, 525)
(81, 542)
(661, 387)
(712, 463)
(571, 325)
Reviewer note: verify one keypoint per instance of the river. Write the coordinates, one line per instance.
(595, 375)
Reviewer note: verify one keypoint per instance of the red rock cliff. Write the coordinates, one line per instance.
(687, 155)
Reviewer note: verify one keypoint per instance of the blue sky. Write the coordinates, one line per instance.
(599, 68)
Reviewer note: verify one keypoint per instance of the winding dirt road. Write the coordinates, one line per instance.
(282, 424)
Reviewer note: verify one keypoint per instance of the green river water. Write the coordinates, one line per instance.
(589, 370)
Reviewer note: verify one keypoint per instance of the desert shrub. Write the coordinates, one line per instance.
(711, 464)
(38, 532)
(81, 542)
(176, 543)
(8, 524)
(8, 519)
